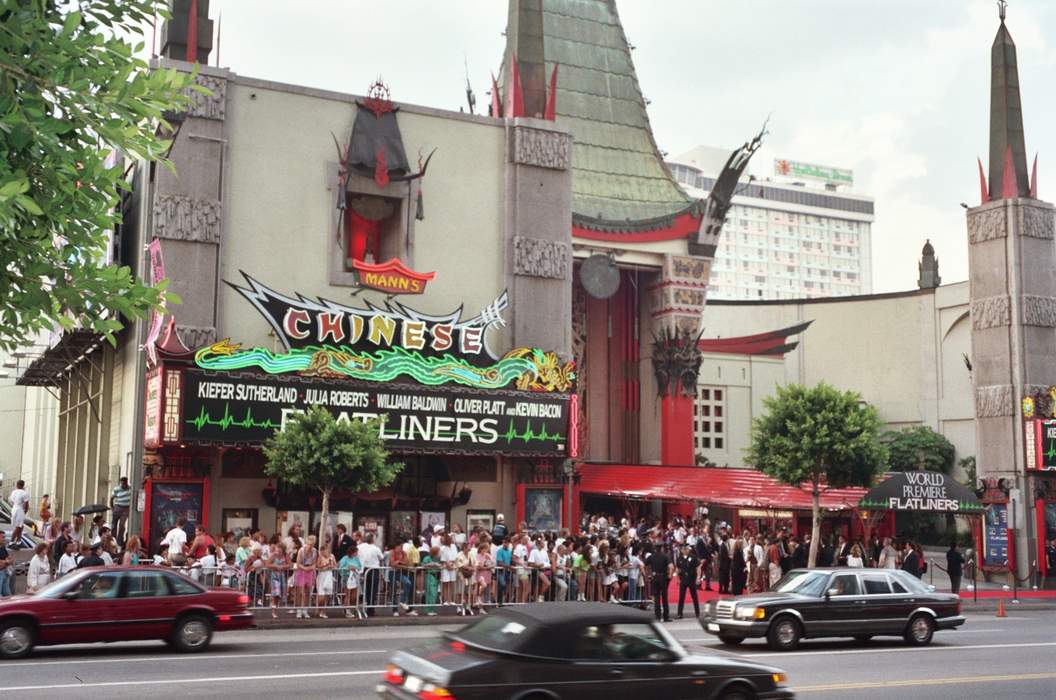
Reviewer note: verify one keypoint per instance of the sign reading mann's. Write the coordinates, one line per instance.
(393, 277)
(246, 409)
(922, 491)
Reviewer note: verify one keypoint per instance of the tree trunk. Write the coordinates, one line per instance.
(323, 529)
(815, 526)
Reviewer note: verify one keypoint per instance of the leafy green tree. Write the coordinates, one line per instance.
(967, 465)
(317, 450)
(918, 449)
(72, 92)
(819, 437)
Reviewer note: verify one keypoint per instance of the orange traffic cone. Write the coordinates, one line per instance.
(1001, 607)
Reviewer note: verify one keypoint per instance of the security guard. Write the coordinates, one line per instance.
(688, 576)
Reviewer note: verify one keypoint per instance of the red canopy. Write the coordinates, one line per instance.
(744, 488)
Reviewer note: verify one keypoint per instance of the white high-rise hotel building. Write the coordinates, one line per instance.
(796, 235)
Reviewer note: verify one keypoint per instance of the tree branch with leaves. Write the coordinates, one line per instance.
(317, 450)
(72, 94)
(818, 438)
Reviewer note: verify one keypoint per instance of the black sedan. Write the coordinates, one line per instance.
(856, 603)
(545, 651)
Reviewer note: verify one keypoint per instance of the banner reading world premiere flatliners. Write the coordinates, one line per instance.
(221, 407)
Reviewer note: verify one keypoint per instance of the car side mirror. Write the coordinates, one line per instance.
(831, 592)
(71, 595)
(931, 589)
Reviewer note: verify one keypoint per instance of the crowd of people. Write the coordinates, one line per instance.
(611, 559)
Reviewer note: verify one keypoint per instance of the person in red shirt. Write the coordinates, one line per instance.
(200, 546)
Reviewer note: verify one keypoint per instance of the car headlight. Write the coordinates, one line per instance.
(749, 613)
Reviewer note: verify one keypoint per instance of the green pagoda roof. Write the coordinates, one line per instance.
(619, 179)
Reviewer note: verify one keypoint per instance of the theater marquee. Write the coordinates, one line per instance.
(242, 408)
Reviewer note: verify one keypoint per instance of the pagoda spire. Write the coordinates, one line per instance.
(1008, 156)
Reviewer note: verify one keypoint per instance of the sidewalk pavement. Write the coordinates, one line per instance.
(987, 603)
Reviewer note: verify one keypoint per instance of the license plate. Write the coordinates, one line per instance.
(712, 627)
(413, 684)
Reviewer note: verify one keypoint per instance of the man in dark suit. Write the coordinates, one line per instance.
(801, 553)
(724, 564)
(59, 547)
(342, 542)
(954, 567)
(910, 560)
(705, 549)
(843, 550)
(825, 553)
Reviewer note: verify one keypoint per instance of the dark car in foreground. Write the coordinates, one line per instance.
(118, 604)
(856, 603)
(546, 651)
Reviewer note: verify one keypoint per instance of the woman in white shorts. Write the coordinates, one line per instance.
(324, 580)
(448, 570)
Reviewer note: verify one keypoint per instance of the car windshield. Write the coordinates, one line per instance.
(59, 586)
(494, 632)
(809, 583)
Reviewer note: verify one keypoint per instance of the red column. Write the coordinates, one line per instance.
(1039, 514)
(676, 430)
(573, 526)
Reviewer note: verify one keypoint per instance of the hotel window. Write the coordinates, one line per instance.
(709, 431)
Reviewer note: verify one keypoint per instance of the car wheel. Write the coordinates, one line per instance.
(920, 630)
(192, 633)
(862, 638)
(731, 639)
(16, 639)
(738, 693)
(784, 634)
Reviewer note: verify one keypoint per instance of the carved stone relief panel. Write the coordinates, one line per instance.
(536, 257)
(987, 225)
(1037, 222)
(182, 218)
(1038, 311)
(544, 149)
(195, 337)
(211, 106)
(990, 312)
(993, 401)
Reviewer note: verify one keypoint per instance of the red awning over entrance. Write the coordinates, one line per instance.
(739, 488)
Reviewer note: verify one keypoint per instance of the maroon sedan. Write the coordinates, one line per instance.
(145, 602)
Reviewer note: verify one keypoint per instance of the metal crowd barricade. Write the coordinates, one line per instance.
(424, 590)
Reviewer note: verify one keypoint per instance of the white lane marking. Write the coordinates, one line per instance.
(895, 650)
(175, 681)
(916, 682)
(110, 659)
(712, 639)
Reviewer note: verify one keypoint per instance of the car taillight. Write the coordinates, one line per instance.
(458, 647)
(243, 600)
(435, 692)
(394, 674)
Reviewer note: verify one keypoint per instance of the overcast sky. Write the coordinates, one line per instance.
(896, 90)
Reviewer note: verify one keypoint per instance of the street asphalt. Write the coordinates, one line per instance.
(989, 657)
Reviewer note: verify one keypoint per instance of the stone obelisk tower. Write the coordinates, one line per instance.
(1012, 271)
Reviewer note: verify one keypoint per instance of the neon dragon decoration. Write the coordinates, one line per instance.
(531, 369)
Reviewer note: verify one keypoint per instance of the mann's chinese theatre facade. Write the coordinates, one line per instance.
(372, 258)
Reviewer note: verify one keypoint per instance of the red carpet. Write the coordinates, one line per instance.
(703, 595)
(1007, 595)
